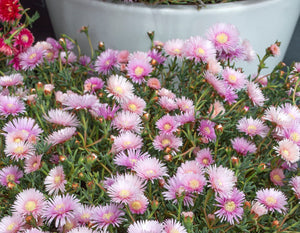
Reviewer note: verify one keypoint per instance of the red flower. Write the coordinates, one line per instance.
(24, 39)
(5, 48)
(9, 10)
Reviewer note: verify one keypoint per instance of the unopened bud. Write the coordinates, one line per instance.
(62, 158)
(235, 161)
(168, 150)
(161, 182)
(168, 157)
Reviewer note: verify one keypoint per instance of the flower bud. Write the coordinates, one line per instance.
(11, 185)
(62, 158)
(211, 217)
(168, 150)
(75, 186)
(101, 45)
(154, 204)
(80, 175)
(219, 128)
(168, 157)
(153, 62)
(161, 182)
(235, 161)
(275, 223)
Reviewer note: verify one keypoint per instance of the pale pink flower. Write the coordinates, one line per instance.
(11, 105)
(173, 226)
(31, 58)
(167, 93)
(252, 127)
(138, 204)
(192, 182)
(19, 150)
(174, 47)
(119, 88)
(106, 61)
(216, 108)
(75, 101)
(190, 167)
(167, 124)
(295, 183)
(32, 163)
(127, 121)
(243, 146)
(213, 66)
(144, 226)
(61, 117)
(204, 157)
(55, 181)
(163, 141)
(11, 80)
(255, 94)
(135, 105)
(288, 150)
(127, 140)
(10, 174)
(167, 103)
(67, 57)
(154, 83)
(185, 117)
(185, 104)
(250, 54)
(61, 136)
(29, 202)
(218, 84)
(150, 169)
(258, 209)
(234, 78)
(11, 224)
(122, 159)
(122, 56)
(277, 176)
(84, 214)
(272, 199)
(277, 116)
(292, 111)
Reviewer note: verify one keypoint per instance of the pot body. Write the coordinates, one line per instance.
(125, 26)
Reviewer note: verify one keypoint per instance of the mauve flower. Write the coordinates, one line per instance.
(11, 224)
(156, 56)
(288, 150)
(32, 163)
(204, 157)
(135, 105)
(274, 200)
(174, 47)
(231, 206)
(119, 88)
(11, 105)
(75, 101)
(277, 176)
(167, 124)
(10, 174)
(11, 80)
(31, 58)
(145, 226)
(61, 117)
(55, 181)
(106, 61)
(206, 130)
(243, 146)
(163, 141)
(61, 136)
(138, 204)
(104, 110)
(127, 140)
(252, 127)
(295, 183)
(255, 94)
(122, 159)
(185, 117)
(67, 57)
(93, 84)
(138, 69)
(234, 78)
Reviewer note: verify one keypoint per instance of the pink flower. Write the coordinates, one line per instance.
(185, 104)
(11, 105)
(190, 167)
(252, 127)
(129, 160)
(250, 54)
(173, 226)
(295, 183)
(185, 117)
(193, 183)
(221, 179)
(255, 94)
(206, 130)
(106, 61)
(104, 110)
(150, 169)
(127, 140)
(167, 93)
(174, 47)
(29, 202)
(216, 108)
(277, 176)
(19, 150)
(259, 209)
(61, 136)
(10, 174)
(125, 121)
(167, 103)
(234, 78)
(84, 214)
(75, 101)
(55, 181)
(142, 226)
(156, 56)
(119, 87)
(292, 110)
(107, 215)
(11, 80)
(275, 50)
(204, 157)
(123, 56)
(81, 230)
(135, 105)
(154, 83)
(11, 224)
(231, 206)
(138, 69)
(138, 204)
(288, 151)
(243, 146)
(163, 141)
(31, 58)
(93, 84)
(60, 209)
(61, 117)
(167, 124)
(32, 163)
(218, 84)
(272, 199)
(199, 49)
(214, 66)
(125, 188)
(277, 116)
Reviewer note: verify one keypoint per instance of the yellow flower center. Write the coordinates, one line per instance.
(270, 200)
(10, 227)
(251, 129)
(57, 179)
(32, 56)
(200, 51)
(30, 206)
(139, 71)
(194, 184)
(107, 62)
(136, 205)
(230, 206)
(295, 137)
(174, 231)
(126, 143)
(232, 78)
(133, 161)
(177, 51)
(165, 142)
(222, 38)
(119, 90)
(124, 193)
(285, 152)
(107, 216)
(277, 177)
(34, 164)
(207, 130)
(85, 216)
(10, 106)
(205, 161)
(167, 126)
(132, 107)
(150, 172)
(25, 38)
(59, 208)
(10, 178)
(16, 140)
(19, 150)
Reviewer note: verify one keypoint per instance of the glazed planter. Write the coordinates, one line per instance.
(125, 26)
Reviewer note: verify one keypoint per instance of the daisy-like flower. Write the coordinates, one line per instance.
(193, 183)
(206, 130)
(10, 174)
(231, 206)
(243, 146)
(61, 136)
(174, 189)
(11, 224)
(106, 61)
(199, 49)
(24, 38)
(277, 176)
(288, 150)
(61, 117)
(250, 54)
(292, 110)
(138, 204)
(173, 226)
(126, 141)
(167, 103)
(185, 104)
(224, 36)
(150, 169)
(29, 202)
(55, 181)
(272, 199)
(145, 226)
(81, 230)
(216, 108)
(11, 105)
(119, 88)
(32, 163)
(84, 214)
(104, 110)
(167, 93)
(174, 47)
(138, 69)
(61, 209)
(67, 57)
(104, 216)
(252, 127)
(218, 84)
(9, 10)
(190, 167)
(154, 83)
(185, 117)
(234, 78)
(164, 141)
(75, 101)
(277, 116)
(221, 179)
(156, 56)
(122, 159)
(93, 84)
(31, 58)
(295, 183)
(255, 94)
(135, 105)
(19, 150)
(258, 209)
(11, 80)
(167, 124)
(204, 157)
(127, 121)
(125, 188)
